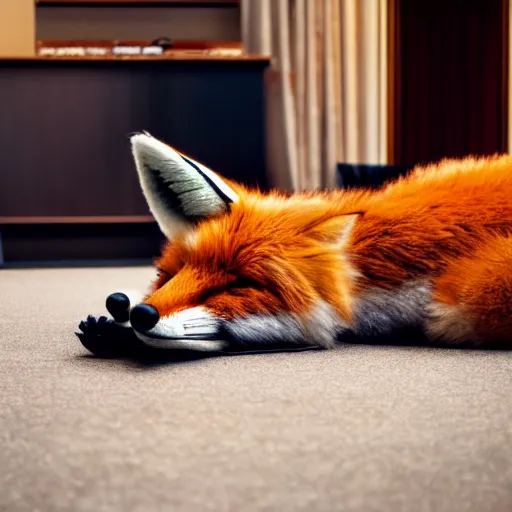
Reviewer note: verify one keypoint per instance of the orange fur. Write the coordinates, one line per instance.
(419, 224)
(266, 245)
(479, 289)
(271, 253)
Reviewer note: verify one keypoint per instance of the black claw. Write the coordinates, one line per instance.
(104, 338)
(102, 320)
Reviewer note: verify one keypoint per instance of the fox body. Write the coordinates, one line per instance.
(431, 251)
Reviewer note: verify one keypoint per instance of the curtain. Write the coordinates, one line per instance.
(326, 87)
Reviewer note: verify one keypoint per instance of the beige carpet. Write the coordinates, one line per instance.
(356, 429)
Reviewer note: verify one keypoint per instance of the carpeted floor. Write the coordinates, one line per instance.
(356, 429)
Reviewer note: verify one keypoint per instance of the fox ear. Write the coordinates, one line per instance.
(179, 191)
(335, 230)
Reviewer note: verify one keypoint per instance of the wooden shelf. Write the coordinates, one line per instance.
(140, 3)
(98, 219)
(171, 57)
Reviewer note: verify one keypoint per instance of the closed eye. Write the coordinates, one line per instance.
(244, 282)
(239, 285)
(163, 277)
(235, 287)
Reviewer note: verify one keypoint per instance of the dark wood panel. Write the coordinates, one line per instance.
(65, 148)
(89, 219)
(505, 34)
(394, 74)
(64, 131)
(450, 79)
(95, 242)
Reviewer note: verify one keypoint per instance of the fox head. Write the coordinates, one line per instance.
(239, 268)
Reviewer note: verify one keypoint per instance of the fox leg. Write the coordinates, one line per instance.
(112, 336)
(471, 301)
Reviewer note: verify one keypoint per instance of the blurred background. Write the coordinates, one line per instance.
(293, 94)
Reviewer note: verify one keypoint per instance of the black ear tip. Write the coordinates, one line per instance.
(131, 135)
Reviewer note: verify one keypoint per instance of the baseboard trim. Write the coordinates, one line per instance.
(38, 244)
(139, 262)
(1, 252)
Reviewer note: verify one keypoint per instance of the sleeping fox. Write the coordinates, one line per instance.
(429, 253)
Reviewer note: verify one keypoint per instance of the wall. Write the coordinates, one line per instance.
(198, 23)
(17, 28)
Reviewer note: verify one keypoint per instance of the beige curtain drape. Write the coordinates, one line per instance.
(326, 87)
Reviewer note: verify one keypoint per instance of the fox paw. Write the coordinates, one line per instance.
(105, 338)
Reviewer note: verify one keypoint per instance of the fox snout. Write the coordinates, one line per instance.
(194, 327)
(199, 328)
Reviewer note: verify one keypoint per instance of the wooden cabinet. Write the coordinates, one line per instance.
(66, 158)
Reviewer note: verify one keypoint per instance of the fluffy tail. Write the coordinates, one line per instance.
(472, 300)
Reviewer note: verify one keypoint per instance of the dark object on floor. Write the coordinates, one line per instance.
(374, 176)
(118, 305)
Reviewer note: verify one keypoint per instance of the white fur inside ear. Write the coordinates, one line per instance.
(178, 190)
(347, 231)
(223, 187)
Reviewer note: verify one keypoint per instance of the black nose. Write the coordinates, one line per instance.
(143, 317)
(118, 305)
